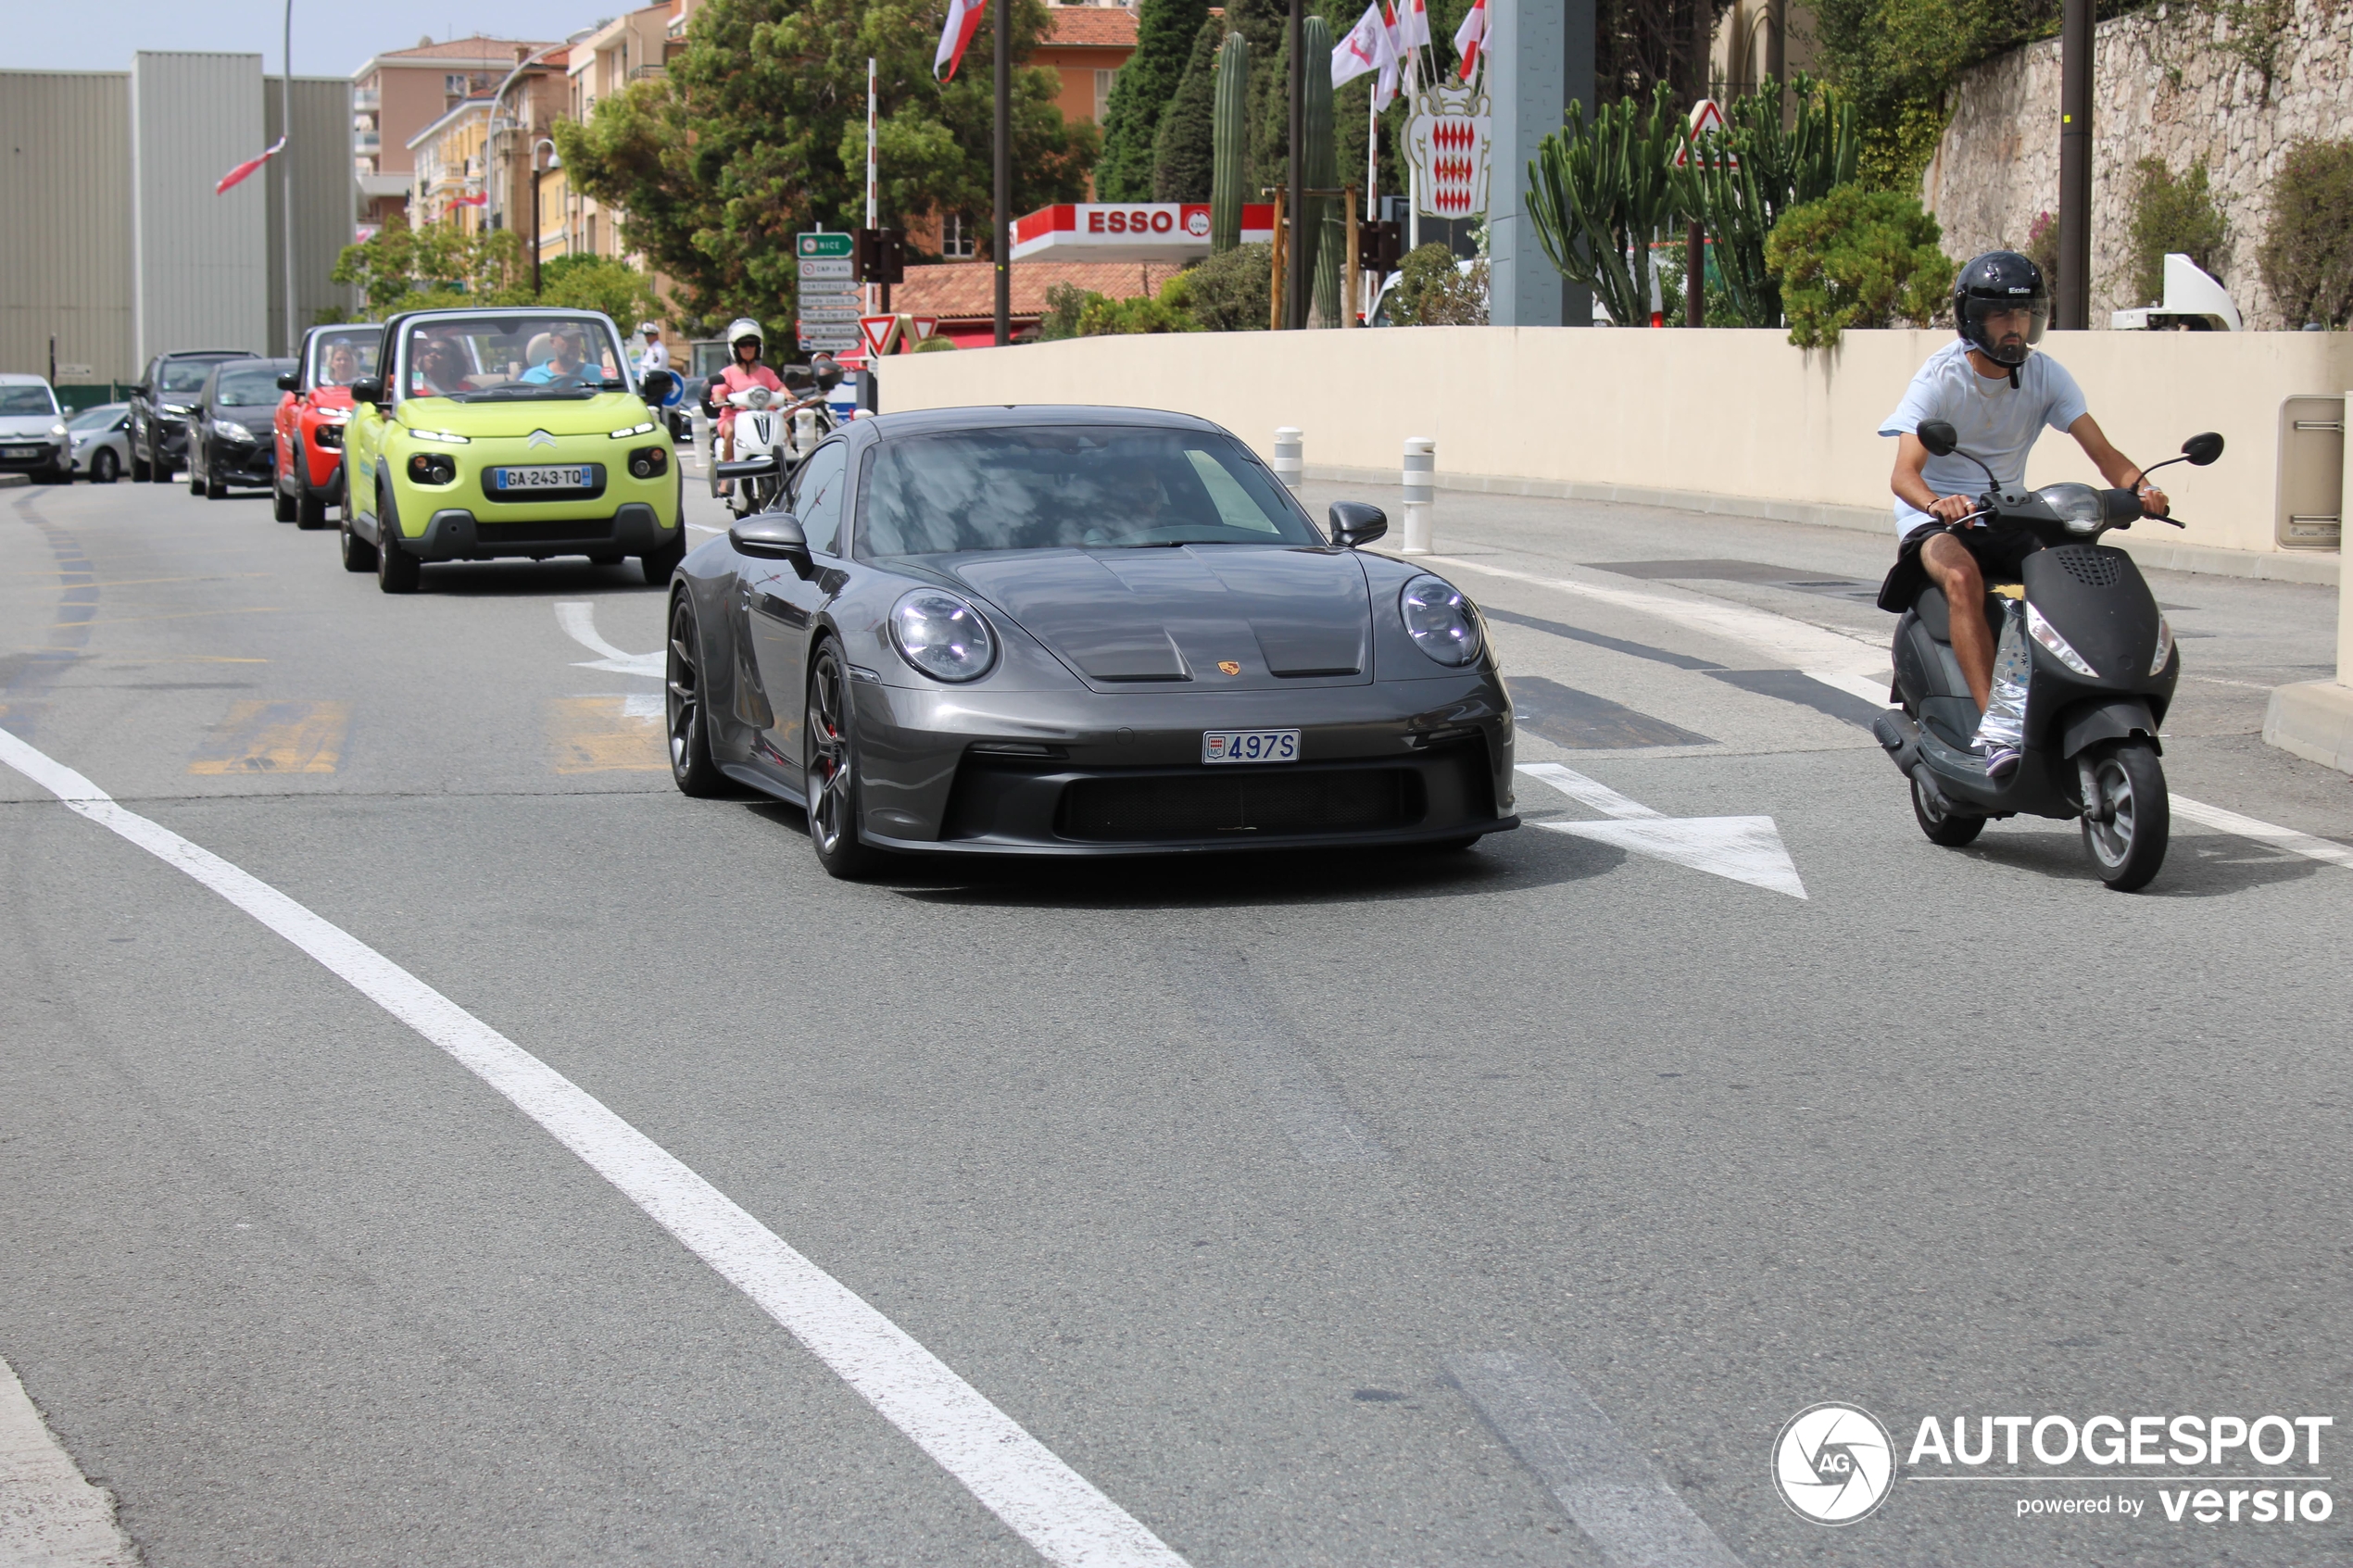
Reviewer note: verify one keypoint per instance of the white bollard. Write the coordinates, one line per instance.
(1291, 463)
(1418, 480)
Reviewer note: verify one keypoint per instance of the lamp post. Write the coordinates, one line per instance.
(549, 143)
(285, 175)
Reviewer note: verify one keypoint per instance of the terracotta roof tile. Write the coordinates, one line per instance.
(1095, 26)
(964, 291)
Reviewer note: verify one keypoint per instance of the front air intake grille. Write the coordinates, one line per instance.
(2089, 565)
(1206, 806)
(586, 531)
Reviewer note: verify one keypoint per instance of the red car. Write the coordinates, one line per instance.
(311, 417)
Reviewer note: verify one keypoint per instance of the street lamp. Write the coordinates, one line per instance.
(285, 175)
(549, 143)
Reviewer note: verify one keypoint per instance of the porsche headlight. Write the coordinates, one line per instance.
(2164, 645)
(2048, 635)
(1440, 620)
(941, 635)
(2078, 506)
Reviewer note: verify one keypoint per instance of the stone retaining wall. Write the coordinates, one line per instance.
(2165, 85)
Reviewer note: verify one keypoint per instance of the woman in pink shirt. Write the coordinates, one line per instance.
(747, 372)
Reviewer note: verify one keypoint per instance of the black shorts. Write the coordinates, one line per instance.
(1999, 551)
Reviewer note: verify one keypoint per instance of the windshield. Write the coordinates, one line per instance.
(249, 384)
(186, 375)
(1070, 486)
(99, 418)
(27, 400)
(494, 357)
(339, 358)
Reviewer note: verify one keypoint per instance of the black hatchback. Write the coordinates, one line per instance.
(233, 434)
(161, 404)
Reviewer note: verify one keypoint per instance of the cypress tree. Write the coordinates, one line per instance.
(1184, 148)
(1164, 33)
(1264, 23)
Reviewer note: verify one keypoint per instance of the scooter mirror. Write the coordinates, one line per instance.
(1940, 439)
(2202, 449)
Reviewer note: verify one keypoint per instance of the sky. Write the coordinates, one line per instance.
(330, 37)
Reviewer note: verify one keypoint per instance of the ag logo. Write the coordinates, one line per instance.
(1834, 1463)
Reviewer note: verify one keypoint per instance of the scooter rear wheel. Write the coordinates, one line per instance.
(2128, 827)
(1943, 824)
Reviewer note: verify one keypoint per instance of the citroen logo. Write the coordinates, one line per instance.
(539, 438)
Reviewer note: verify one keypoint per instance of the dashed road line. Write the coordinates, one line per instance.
(1058, 1511)
(1607, 1485)
(50, 1517)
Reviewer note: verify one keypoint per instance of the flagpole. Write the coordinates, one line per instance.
(287, 206)
(1002, 241)
(869, 300)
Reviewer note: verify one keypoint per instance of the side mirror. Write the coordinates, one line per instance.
(2202, 449)
(1357, 522)
(657, 388)
(771, 536)
(142, 390)
(288, 381)
(1940, 439)
(830, 378)
(368, 389)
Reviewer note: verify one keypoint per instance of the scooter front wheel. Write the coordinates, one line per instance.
(2127, 816)
(1941, 823)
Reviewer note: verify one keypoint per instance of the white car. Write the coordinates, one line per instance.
(33, 432)
(100, 443)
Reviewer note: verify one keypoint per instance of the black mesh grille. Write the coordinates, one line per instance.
(2088, 565)
(584, 531)
(1204, 805)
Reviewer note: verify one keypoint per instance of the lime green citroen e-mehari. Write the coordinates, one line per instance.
(522, 431)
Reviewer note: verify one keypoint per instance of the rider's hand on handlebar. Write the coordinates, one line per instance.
(2153, 501)
(1952, 508)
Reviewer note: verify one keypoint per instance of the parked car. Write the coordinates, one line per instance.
(516, 430)
(230, 440)
(312, 418)
(32, 433)
(160, 405)
(100, 440)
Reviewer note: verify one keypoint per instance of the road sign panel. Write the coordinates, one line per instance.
(881, 334)
(821, 245)
(826, 267)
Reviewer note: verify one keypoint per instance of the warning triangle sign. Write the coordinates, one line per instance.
(924, 326)
(881, 334)
(1708, 118)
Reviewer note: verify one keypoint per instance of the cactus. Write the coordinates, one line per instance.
(1599, 196)
(1230, 164)
(1320, 167)
(1778, 169)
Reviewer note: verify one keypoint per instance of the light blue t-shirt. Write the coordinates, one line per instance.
(1993, 423)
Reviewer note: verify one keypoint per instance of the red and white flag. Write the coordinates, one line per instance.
(964, 21)
(1471, 39)
(1386, 94)
(1413, 26)
(1365, 49)
(480, 198)
(238, 173)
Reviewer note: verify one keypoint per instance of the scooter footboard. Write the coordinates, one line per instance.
(2103, 719)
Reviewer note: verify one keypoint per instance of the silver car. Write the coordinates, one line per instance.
(32, 433)
(100, 443)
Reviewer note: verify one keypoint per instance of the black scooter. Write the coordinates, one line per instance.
(2104, 669)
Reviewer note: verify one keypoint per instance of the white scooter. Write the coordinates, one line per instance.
(774, 435)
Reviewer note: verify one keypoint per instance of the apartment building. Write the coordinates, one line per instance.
(634, 46)
(399, 95)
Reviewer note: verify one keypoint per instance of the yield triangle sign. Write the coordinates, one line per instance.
(881, 334)
(924, 326)
(1743, 849)
(1707, 116)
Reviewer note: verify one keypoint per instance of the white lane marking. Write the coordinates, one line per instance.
(1833, 658)
(2295, 843)
(1612, 1490)
(1016, 1478)
(50, 1517)
(578, 618)
(1747, 849)
(705, 528)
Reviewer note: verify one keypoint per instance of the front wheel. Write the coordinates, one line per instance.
(103, 467)
(281, 506)
(690, 765)
(309, 512)
(1941, 823)
(830, 782)
(2127, 816)
(195, 480)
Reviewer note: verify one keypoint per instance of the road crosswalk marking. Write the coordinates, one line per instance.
(49, 1515)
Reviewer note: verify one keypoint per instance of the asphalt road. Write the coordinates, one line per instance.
(1498, 1208)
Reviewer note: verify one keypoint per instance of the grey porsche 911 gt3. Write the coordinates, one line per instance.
(1078, 631)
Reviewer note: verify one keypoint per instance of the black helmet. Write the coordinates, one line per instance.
(2000, 280)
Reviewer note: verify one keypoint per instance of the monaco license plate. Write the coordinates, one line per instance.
(547, 476)
(1250, 745)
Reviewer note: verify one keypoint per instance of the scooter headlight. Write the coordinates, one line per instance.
(2047, 634)
(2078, 506)
(2164, 645)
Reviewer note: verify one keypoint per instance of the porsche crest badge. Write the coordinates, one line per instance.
(1228, 667)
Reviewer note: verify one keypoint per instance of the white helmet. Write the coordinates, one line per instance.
(744, 327)
(648, 329)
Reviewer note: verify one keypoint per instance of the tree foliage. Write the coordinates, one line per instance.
(1184, 148)
(402, 268)
(1165, 31)
(758, 131)
(1857, 259)
(1229, 292)
(2308, 255)
(1434, 291)
(1742, 181)
(597, 283)
(2171, 215)
(1600, 194)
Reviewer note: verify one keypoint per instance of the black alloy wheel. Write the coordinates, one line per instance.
(690, 765)
(104, 469)
(830, 781)
(158, 466)
(281, 506)
(2127, 826)
(138, 463)
(215, 487)
(310, 511)
(358, 553)
(1940, 821)
(397, 572)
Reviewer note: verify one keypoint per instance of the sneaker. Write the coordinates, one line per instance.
(2001, 761)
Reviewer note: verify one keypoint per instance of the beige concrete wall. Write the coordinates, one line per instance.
(1737, 415)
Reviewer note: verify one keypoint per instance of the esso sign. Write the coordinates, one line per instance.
(1155, 219)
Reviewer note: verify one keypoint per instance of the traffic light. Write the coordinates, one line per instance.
(1379, 245)
(880, 256)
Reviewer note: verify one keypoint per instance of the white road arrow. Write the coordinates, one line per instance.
(578, 618)
(1743, 849)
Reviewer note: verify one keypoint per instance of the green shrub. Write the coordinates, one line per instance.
(2172, 217)
(1857, 259)
(1432, 291)
(935, 344)
(1064, 303)
(2041, 248)
(1228, 292)
(1102, 317)
(2307, 256)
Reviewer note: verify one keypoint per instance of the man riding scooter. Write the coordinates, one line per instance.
(1997, 393)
